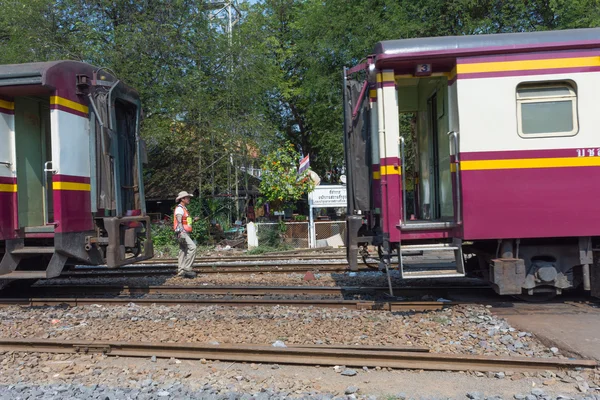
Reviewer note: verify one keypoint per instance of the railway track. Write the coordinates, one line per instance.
(320, 257)
(238, 268)
(354, 356)
(320, 303)
(73, 289)
(243, 267)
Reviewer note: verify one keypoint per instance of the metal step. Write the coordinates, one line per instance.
(429, 247)
(424, 272)
(34, 250)
(445, 273)
(39, 229)
(426, 226)
(24, 275)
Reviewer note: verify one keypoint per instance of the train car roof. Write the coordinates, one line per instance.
(52, 74)
(40, 72)
(455, 46)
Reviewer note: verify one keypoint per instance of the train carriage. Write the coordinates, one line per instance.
(71, 157)
(506, 157)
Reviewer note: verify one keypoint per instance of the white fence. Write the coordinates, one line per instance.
(297, 235)
(329, 233)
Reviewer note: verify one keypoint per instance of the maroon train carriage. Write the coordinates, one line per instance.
(71, 185)
(506, 158)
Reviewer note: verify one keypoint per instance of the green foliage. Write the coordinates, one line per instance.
(272, 237)
(281, 184)
(219, 210)
(279, 78)
(163, 239)
(209, 210)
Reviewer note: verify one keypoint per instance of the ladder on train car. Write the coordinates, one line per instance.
(434, 272)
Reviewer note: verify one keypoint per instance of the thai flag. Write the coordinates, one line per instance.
(304, 164)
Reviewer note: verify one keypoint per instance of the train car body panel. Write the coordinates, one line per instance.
(8, 178)
(534, 185)
(71, 181)
(506, 154)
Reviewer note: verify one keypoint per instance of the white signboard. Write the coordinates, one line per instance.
(328, 196)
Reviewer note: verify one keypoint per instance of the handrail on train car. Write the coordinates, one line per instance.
(403, 172)
(454, 151)
(48, 167)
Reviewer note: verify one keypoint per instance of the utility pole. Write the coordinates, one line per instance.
(225, 14)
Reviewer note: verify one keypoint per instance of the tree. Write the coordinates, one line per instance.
(281, 184)
(279, 78)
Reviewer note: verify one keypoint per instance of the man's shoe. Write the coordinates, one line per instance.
(190, 274)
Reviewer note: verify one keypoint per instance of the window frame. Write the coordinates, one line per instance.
(572, 96)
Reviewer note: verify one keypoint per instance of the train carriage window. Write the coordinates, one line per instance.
(547, 109)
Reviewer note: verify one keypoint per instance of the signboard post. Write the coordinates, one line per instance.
(325, 197)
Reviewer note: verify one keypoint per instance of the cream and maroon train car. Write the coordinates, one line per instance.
(70, 170)
(504, 162)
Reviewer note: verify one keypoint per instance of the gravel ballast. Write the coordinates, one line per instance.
(47, 376)
(466, 329)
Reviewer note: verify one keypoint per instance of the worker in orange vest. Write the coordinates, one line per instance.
(182, 224)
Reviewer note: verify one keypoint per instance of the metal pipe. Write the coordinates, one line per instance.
(361, 98)
(403, 172)
(97, 118)
(45, 183)
(458, 214)
(115, 152)
(95, 109)
(587, 283)
(140, 166)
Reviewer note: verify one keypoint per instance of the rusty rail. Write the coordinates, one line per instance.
(349, 304)
(170, 269)
(358, 357)
(200, 259)
(69, 289)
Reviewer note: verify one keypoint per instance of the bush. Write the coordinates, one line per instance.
(163, 239)
(207, 209)
(272, 236)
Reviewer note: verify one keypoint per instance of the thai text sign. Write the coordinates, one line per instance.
(328, 196)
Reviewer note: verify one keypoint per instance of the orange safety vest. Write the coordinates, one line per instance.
(185, 219)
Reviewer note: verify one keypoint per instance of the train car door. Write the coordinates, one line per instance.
(32, 126)
(435, 157)
(434, 154)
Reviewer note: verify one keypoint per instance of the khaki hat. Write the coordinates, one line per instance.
(181, 195)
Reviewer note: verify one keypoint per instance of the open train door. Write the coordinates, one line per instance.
(358, 159)
(32, 137)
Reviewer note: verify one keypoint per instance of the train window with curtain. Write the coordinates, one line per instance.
(547, 109)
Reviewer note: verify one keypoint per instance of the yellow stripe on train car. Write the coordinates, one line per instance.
(8, 187)
(7, 105)
(386, 76)
(71, 186)
(524, 65)
(390, 170)
(527, 163)
(61, 101)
